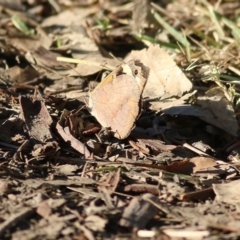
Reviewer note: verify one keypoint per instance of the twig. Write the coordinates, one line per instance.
(16, 218)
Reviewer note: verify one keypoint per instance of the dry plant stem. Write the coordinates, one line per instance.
(72, 60)
(75, 112)
(88, 234)
(97, 136)
(55, 5)
(92, 194)
(35, 93)
(75, 212)
(186, 145)
(235, 70)
(123, 194)
(164, 208)
(35, 80)
(106, 197)
(7, 172)
(201, 46)
(198, 195)
(162, 11)
(3, 163)
(24, 86)
(223, 227)
(16, 218)
(84, 169)
(8, 145)
(233, 146)
(74, 160)
(66, 90)
(148, 166)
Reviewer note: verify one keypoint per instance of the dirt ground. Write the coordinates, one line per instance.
(119, 119)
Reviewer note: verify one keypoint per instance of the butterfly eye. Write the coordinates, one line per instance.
(136, 72)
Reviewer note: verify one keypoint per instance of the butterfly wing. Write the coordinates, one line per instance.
(115, 102)
(116, 105)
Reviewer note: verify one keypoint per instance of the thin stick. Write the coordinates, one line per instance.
(73, 60)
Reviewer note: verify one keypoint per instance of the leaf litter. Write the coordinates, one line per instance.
(175, 176)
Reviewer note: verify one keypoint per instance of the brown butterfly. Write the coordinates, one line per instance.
(116, 101)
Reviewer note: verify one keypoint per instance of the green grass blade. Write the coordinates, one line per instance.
(146, 38)
(20, 25)
(235, 29)
(177, 35)
(213, 17)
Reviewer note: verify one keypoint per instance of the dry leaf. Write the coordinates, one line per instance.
(21, 75)
(38, 122)
(43, 57)
(165, 79)
(90, 67)
(155, 144)
(4, 187)
(95, 223)
(44, 210)
(186, 234)
(142, 188)
(74, 16)
(37, 119)
(169, 103)
(191, 165)
(66, 134)
(217, 110)
(28, 43)
(110, 181)
(227, 192)
(201, 195)
(141, 15)
(138, 212)
(67, 169)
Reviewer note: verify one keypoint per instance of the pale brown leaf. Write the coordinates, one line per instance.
(165, 79)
